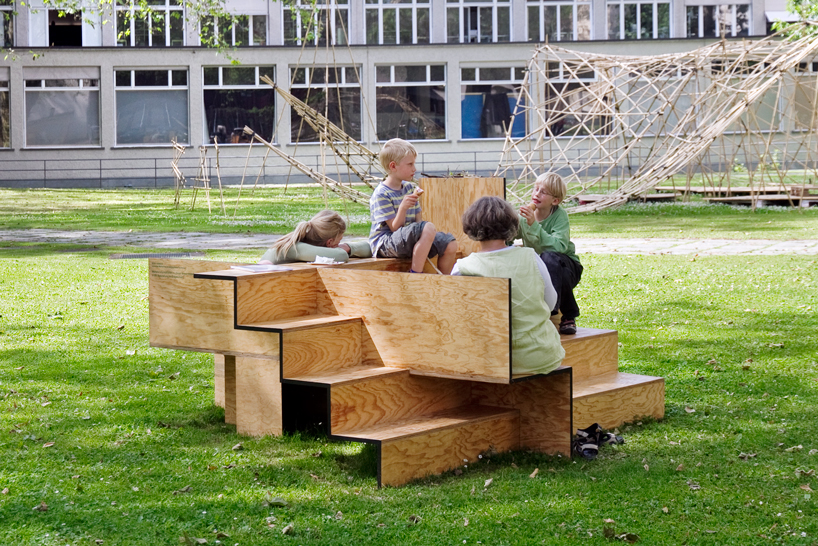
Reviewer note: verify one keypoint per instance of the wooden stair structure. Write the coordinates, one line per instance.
(418, 365)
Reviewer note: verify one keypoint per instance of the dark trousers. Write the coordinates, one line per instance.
(565, 275)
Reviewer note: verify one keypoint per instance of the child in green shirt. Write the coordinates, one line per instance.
(544, 227)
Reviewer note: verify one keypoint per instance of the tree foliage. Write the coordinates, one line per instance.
(807, 12)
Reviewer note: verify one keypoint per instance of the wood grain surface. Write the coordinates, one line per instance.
(614, 399)
(591, 352)
(218, 380)
(544, 403)
(229, 368)
(277, 296)
(197, 314)
(436, 451)
(391, 398)
(321, 349)
(452, 326)
(446, 199)
(258, 397)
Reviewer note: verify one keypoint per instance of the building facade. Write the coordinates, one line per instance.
(88, 103)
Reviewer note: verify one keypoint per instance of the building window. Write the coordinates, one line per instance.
(4, 108)
(326, 20)
(235, 97)
(573, 104)
(717, 21)
(244, 30)
(558, 21)
(334, 92)
(62, 108)
(471, 21)
(7, 19)
(162, 27)
(404, 22)
(65, 30)
(411, 102)
(151, 106)
(638, 20)
(487, 102)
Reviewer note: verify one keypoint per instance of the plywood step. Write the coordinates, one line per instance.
(431, 444)
(616, 398)
(591, 352)
(293, 324)
(347, 376)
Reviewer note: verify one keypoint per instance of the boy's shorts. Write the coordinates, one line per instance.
(401, 242)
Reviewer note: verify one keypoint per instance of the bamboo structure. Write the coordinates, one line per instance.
(633, 122)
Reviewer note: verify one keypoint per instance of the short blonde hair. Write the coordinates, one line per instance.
(552, 183)
(395, 150)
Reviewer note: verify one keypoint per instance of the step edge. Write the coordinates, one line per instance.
(644, 380)
(383, 371)
(281, 325)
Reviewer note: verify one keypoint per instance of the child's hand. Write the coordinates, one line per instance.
(409, 201)
(527, 213)
(345, 247)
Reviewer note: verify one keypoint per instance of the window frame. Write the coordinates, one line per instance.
(250, 38)
(700, 32)
(655, 31)
(382, 6)
(308, 83)
(428, 82)
(7, 13)
(464, 36)
(81, 86)
(168, 8)
(295, 10)
(133, 88)
(517, 78)
(5, 131)
(221, 86)
(541, 6)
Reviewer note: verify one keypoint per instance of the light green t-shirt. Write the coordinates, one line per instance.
(302, 252)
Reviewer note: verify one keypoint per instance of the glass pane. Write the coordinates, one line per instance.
(411, 112)
(519, 73)
(351, 75)
(468, 74)
(235, 75)
(228, 111)
(405, 25)
(383, 74)
(211, 75)
(566, 23)
(151, 78)
(5, 142)
(341, 105)
(550, 23)
(503, 24)
(709, 21)
(742, 20)
(453, 25)
(178, 77)
(122, 78)
(692, 21)
(613, 22)
(494, 74)
(140, 32)
(333, 75)
(412, 73)
(725, 23)
(341, 27)
(299, 76)
(62, 83)
(177, 29)
(646, 20)
(389, 30)
(290, 27)
(583, 22)
(241, 31)
(663, 22)
(158, 30)
(372, 26)
(422, 29)
(533, 23)
(486, 25)
(155, 117)
(318, 76)
(206, 30)
(7, 33)
(631, 27)
(123, 26)
(437, 73)
(62, 118)
(259, 30)
(39, 83)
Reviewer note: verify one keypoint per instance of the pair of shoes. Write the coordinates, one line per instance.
(568, 327)
(611, 439)
(586, 443)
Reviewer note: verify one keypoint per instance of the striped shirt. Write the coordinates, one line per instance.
(383, 206)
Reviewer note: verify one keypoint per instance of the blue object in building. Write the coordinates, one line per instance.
(471, 106)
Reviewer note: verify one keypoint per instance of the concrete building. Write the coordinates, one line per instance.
(84, 103)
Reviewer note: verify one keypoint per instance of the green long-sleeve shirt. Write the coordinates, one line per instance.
(552, 234)
(302, 252)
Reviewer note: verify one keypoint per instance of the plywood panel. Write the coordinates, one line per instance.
(258, 397)
(390, 398)
(544, 403)
(435, 452)
(591, 352)
(446, 199)
(617, 399)
(451, 326)
(230, 389)
(315, 350)
(277, 296)
(218, 380)
(197, 314)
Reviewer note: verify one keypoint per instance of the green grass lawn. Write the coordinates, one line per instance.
(271, 210)
(119, 442)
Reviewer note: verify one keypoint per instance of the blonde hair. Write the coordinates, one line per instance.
(553, 184)
(322, 227)
(395, 150)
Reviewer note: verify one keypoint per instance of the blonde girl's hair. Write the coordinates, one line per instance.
(553, 184)
(395, 150)
(322, 227)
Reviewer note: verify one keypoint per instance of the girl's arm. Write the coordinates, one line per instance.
(359, 249)
(302, 252)
(556, 239)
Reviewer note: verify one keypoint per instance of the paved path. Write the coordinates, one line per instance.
(245, 241)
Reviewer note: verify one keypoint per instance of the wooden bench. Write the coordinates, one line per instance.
(419, 365)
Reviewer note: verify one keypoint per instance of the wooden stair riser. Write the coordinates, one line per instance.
(545, 409)
(391, 398)
(252, 393)
(438, 451)
(290, 294)
(322, 349)
(612, 408)
(591, 353)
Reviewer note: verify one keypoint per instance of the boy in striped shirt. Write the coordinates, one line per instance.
(398, 230)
